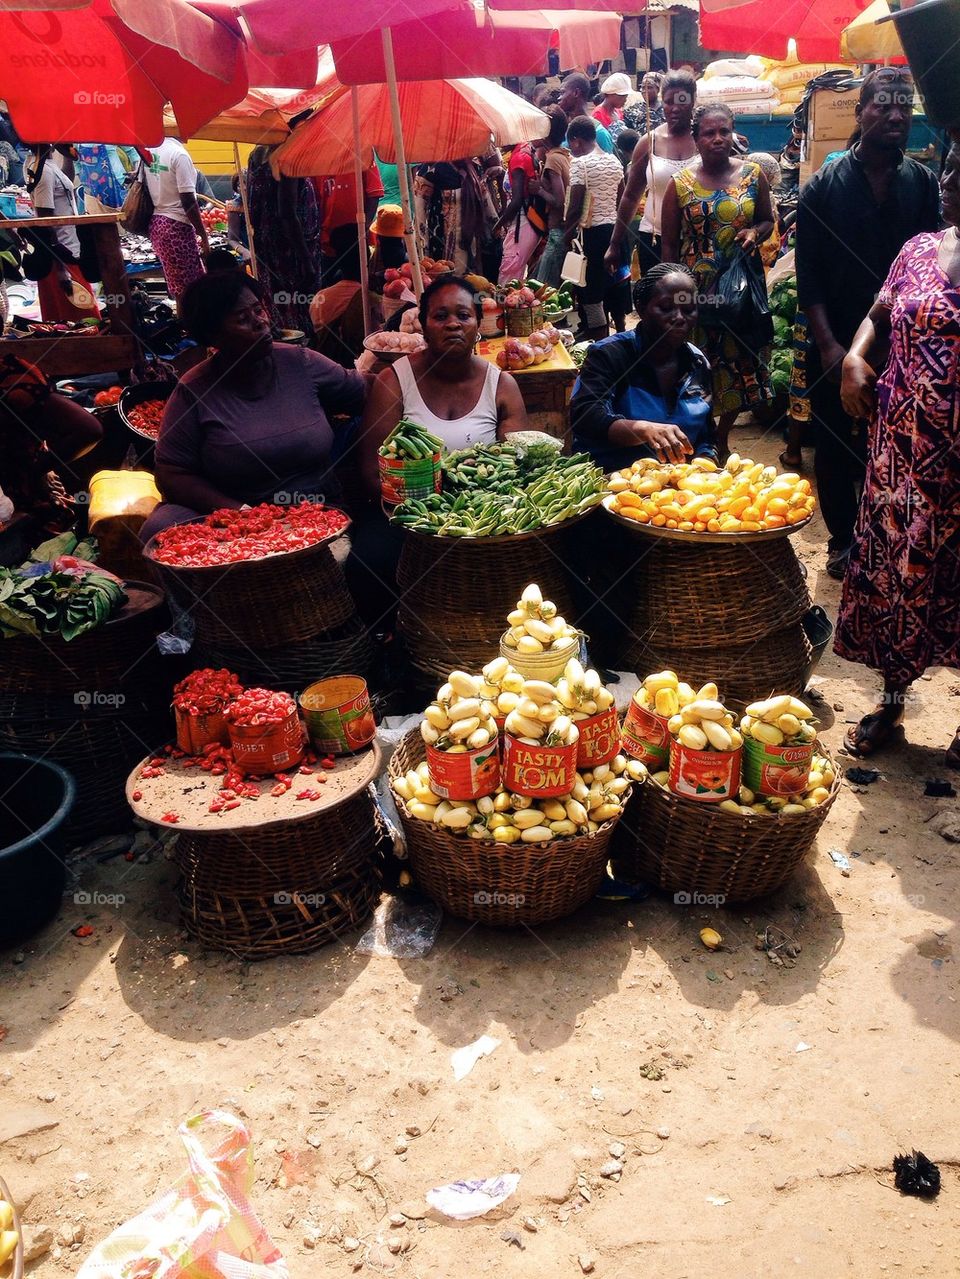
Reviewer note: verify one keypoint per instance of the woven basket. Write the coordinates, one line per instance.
(104, 660)
(521, 321)
(693, 596)
(684, 847)
(455, 594)
(348, 650)
(261, 928)
(16, 1263)
(264, 602)
(745, 672)
(499, 884)
(98, 745)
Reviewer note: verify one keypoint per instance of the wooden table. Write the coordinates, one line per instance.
(73, 355)
(546, 388)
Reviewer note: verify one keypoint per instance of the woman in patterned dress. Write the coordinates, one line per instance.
(715, 206)
(900, 611)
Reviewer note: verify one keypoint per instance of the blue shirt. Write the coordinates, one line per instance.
(604, 140)
(616, 381)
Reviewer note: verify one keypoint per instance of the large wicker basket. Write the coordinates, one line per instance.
(16, 1262)
(743, 672)
(266, 602)
(689, 848)
(505, 885)
(521, 321)
(690, 596)
(346, 650)
(455, 593)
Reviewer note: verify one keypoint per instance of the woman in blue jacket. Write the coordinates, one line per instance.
(646, 393)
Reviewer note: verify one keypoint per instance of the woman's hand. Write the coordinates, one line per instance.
(667, 441)
(747, 238)
(857, 388)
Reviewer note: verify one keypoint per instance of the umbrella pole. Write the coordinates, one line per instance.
(361, 213)
(242, 183)
(408, 233)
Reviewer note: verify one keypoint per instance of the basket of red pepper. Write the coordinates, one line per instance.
(141, 409)
(264, 575)
(265, 730)
(200, 704)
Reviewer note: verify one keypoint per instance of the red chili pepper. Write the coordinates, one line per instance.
(305, 768)
(228, 536)
(137, 796)
(206, 692)
(321, 777)
(172, 818)
(279, 790)
(234, 803)
(328, 762)
(258, 706)
(215, 807)
(147, 416)
(83, 931)
(304, 794)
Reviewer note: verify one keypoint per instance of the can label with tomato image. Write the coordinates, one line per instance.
(776, 770)
(260, 749)
(338, 714)
(464, 774)
(599, 738)
(545, 771)
(646, 737)
(194, 732)
(707, 776)
(401, 478)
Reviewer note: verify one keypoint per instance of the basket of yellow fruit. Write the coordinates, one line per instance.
(748, 844)
(742, 501)
(11, 1235)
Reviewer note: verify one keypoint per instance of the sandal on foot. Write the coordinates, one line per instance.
(872, 734)
(790, 464)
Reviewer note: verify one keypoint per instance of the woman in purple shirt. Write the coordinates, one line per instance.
(251, 423)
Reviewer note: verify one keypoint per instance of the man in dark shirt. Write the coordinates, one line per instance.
(853, 219)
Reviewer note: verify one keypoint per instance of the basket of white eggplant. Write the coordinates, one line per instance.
(460, 732)
(538, 642)
(505, 858)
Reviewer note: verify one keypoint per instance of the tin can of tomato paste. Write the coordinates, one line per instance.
(776, 770)
(194, 732)
(599, 738)
(338, 714)
(646, 736)
(538, 771)
(464, 774)
(401, 478)
(261, 749)
(707, 776)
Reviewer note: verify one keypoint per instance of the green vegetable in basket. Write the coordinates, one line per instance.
(410, 442)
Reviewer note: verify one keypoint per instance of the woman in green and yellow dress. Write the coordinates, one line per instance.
(715, 206)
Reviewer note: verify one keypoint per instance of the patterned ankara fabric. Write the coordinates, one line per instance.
(900, 611)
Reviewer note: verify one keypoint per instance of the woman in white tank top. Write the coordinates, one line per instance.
(447, 389)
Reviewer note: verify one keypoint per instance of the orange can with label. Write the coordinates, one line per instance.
(776, 770)
(538, 771)
(464, 774)
(194, 732)
(646, 736)
(338, 714)
(260, 749)
(707, 776)
(599, 738)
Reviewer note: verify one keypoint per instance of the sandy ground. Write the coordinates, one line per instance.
(764, 1148)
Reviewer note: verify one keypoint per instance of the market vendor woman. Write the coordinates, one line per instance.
(251, 423)
(646, 393)
(445, 388)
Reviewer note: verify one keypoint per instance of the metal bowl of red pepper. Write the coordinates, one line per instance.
(141, 409)
(229, 537)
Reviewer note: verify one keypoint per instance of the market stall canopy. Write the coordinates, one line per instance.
(102, 70)
(864, 41)
(478, 42)
(441, 120)
(758, 26)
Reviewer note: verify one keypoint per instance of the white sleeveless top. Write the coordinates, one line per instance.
(662, 169)
(479, 426)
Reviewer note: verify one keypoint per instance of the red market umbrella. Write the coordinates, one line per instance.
(764, 28)
(473, 42)
(102, 70)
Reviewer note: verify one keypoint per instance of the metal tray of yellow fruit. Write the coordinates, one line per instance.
(684, 535)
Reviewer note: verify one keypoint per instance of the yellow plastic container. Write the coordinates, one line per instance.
(127, 495)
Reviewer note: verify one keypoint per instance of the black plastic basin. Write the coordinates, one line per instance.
(36, 796)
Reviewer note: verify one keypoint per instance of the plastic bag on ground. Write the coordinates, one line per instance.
(401, 930)
(463, 1200)
(204, 1227)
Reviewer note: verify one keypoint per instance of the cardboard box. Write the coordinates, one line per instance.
(832, 115)
(816, 152)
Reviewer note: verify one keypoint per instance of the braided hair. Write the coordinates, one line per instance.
(709, 108)
(646, 286)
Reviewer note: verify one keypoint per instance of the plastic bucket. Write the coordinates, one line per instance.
(194, 732)
(929, 33)
(400, 479)
(338, 715)
(776, 770)
(646, 737)
(819, 631)
(547, 666)
(260, 749)
(38, 795)
(544, 771)
(705, 776)
(464, 774)
(599, 738)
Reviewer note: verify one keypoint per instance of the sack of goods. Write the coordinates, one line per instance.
(741, 93)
